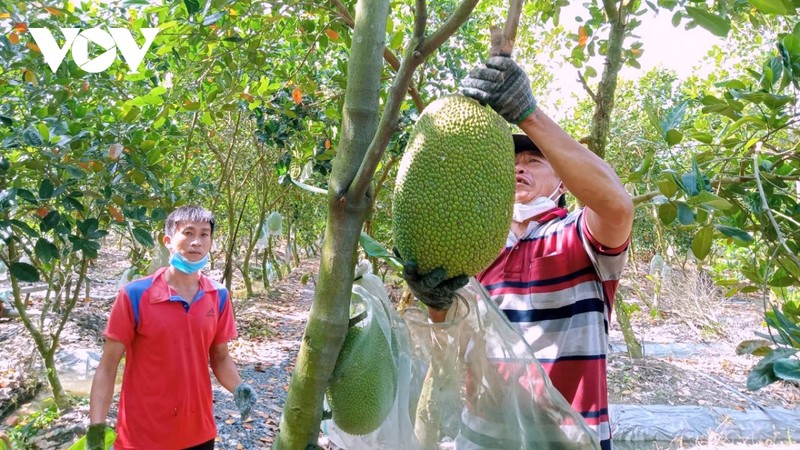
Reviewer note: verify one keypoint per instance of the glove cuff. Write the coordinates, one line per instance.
(525, 114)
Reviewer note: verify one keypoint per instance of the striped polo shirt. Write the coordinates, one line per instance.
(556, 285)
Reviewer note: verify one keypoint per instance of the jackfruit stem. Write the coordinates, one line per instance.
(356, 319)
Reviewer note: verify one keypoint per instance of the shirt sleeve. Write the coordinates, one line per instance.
(226, 327)
(121, 324)
(609, 262)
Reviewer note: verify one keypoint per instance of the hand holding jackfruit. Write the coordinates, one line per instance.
(502, 84)
(454, 193)
(432, 288)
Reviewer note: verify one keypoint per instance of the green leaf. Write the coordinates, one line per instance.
(674, 117)
(757, 347)
(49, 221)
(143, 237)
(25, 228)
(685, 214)
(374, 249)
(24, 272)
(702, 137)
(45, 250)
(717, 25)
(72, 202)
(27, 196)
(689, 184)
(734, 233)
(674, 137)
(763, 373)
(653, 118)
(714, 201)
(46, 189)
(770, 6)
(787, 369)
(667, 213)
(192, 6)
(32, 137)
(667, 185)
(701, 243)
(761, 376)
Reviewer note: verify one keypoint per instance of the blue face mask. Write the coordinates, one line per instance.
(184, 265)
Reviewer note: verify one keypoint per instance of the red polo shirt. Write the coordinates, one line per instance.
(166, 400)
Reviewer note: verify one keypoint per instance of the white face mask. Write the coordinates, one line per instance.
(537, 206)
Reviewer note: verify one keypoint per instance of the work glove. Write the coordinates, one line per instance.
(503, 85)
(96, 437)
(432, 288)
(245, 397)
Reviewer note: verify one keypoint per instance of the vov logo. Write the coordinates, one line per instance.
(78, 41)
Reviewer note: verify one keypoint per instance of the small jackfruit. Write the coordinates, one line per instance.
(364, 382)
(454, 193)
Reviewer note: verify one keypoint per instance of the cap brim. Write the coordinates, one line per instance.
(522, 143)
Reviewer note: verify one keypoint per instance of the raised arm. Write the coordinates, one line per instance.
(502, 84)
(609, 208)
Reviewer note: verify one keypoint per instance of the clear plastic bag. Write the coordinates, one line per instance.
(395, 431)
(470, 382)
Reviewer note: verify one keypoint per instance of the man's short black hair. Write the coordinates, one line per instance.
(188, 213)
(522, 143)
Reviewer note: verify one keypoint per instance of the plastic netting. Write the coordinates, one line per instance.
(470, 382)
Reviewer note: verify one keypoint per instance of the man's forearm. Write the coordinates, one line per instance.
(585, 175)
(101, 394)
(226, 373)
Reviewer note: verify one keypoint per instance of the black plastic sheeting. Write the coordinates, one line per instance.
(638, 426)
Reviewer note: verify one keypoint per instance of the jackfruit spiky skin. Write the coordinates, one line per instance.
(454, 193)
(364, 383)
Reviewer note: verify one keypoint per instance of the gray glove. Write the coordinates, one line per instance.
(432, 288)
(503, 85)
(245, 397)
(96, 437)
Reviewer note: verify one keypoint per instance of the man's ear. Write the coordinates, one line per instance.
(167, 240)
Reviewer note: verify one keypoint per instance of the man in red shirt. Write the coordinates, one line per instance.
(170, 326)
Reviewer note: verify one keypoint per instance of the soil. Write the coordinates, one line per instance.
(702, 328)
(704, 370)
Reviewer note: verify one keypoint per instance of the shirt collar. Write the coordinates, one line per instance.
(159, 291)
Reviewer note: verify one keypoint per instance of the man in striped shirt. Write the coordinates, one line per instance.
(556, 277)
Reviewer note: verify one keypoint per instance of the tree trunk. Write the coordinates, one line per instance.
(329, 316)
(601, 121)
(624, 319)
(45, 347)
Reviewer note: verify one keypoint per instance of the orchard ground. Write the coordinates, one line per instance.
(689, 344)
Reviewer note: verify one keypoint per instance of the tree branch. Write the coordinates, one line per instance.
(388, 124)
(720, 182)
(388, 55)
(453, 23)
(610, 9)
(765, 206)
(420, 19)
(503, 41)
(582, 80)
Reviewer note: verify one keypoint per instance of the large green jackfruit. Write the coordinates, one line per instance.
(364, 382)
(454, 193)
